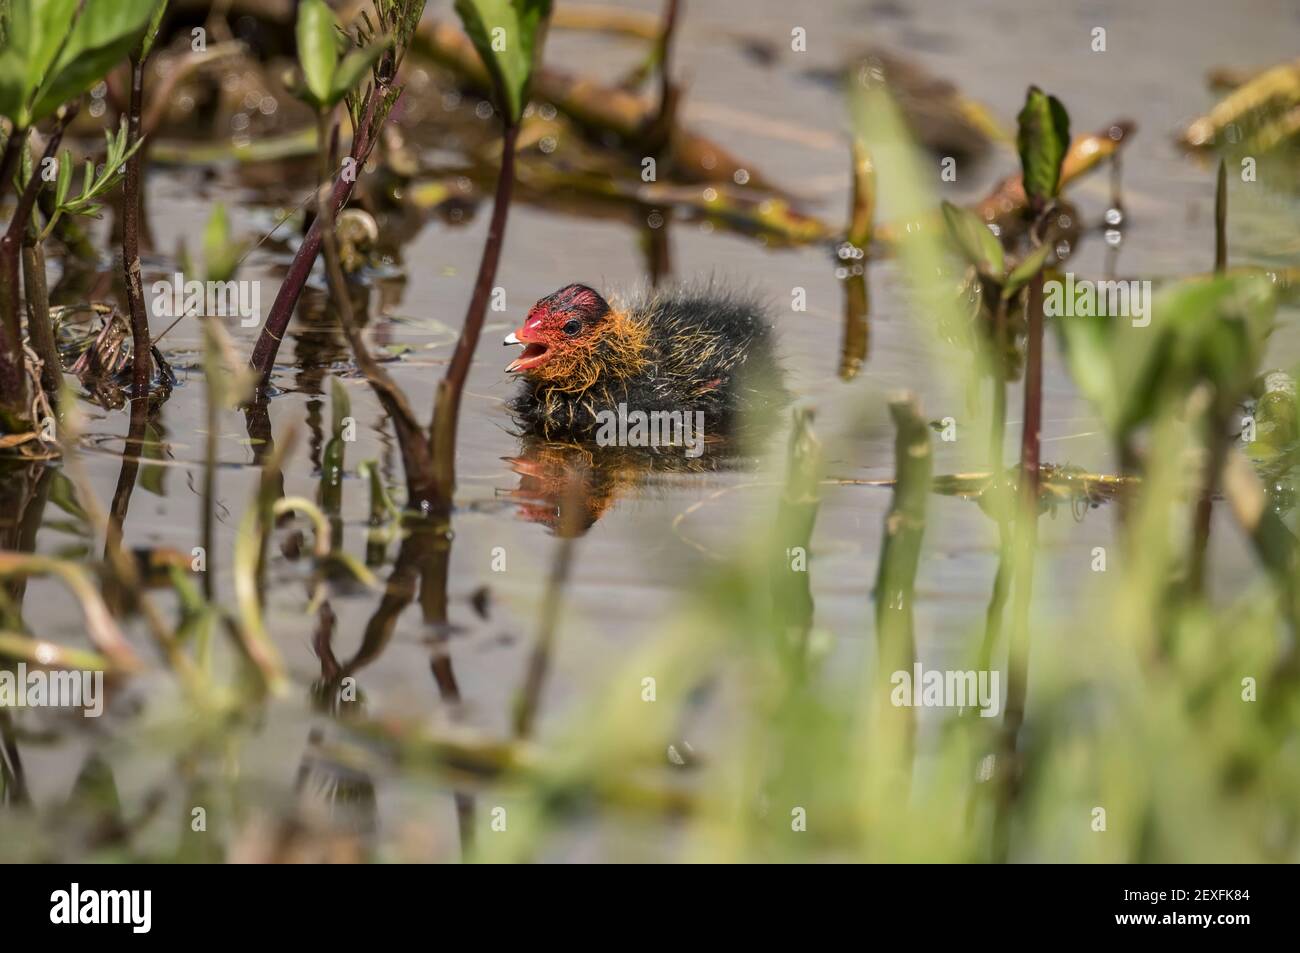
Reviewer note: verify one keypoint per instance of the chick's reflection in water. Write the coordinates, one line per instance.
(567, 487)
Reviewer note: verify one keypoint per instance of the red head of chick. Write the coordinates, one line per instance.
(689, 349)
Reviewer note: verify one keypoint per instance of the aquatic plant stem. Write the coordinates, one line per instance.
(1216, 424)
(39, 328)
(132, 452)
(101, 628)
(447, 408)
(1031, 435)
(1221, 220)
(123, 588)
(997, 441)
(411, 438)
(424, 558)
(141, 343)
(28, 502)
(126, 573)
(286, 298)
(855, 345)
(667, 95)
(792, 601)
(539, 661)
(857, 298)
(862, 205)
(900, 553)
(248, 627)
(213, 422)
(997, 599)
(658, 247)
(1026, 544)
(998, 424)
(14, 411)
(1216, 452)
(16, 139)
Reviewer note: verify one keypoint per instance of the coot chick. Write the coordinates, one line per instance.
(689, 349)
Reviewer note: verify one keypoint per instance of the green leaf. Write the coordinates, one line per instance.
(976, 242)
(95, 184)
(318, 50)
(12, 90)
(1029, 266)
(1042, 140)
(114, 145)
(355, 66)
(37, 28)
(1087, 345)
(505, 34)
(30, 45)
(220, 253)
(101, 37)
(1201, 331)
(151, 31)
(64, 183)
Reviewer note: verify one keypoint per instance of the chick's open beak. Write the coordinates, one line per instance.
(535, 352)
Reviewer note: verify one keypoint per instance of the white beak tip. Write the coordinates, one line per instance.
(511, 339)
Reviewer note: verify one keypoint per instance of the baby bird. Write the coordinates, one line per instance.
(690, 349)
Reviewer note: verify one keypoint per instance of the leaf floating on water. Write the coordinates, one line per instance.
(1266, 105)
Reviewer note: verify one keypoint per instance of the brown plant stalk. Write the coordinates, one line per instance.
(141, 343)
(447, 408)
(286, 298)
(13, 376)
(411, 437)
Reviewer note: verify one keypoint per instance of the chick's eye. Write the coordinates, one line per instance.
(572, 327)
